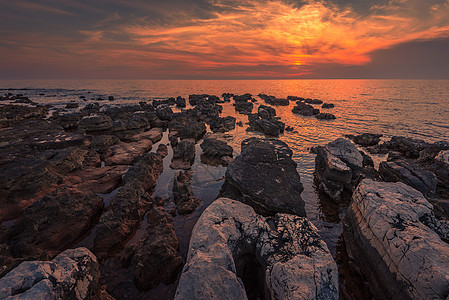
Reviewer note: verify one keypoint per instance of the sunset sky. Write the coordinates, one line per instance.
(214, 39)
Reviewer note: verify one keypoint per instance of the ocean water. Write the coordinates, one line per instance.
(412, 108)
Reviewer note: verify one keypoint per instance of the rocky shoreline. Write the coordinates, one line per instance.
(78, 214)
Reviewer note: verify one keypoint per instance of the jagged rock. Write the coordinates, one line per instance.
(180, 102)
(244, 107)
(390, 234)
(443, 156)
(216, 148)
(222, 124)
(156, 258)
(102, 143)
(233, 248)
(96, 180)
(126, 153)
(266, 112)
(408, 147)
(183, 193)
(164, 112)
(16, 113)
(269, 127)
(338, 167)
(162, 150)
(325, 116)
(69, 121)
(128, 206)
(187, 127)
(313, 101)
(73, 274)
(95, 123)
(242, 98)
(410, 173)
(265, 177)
(154, 134)
(183, 155)
(54, 223)
(272, 100)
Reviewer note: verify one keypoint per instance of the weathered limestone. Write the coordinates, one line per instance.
(337, 167)
(291, 260)
(395, 240)
(73, 274)
(265, 177)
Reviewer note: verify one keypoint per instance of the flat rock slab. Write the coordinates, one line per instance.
(126, 153)
(73, 274)
(394, 238)
(295, 262)
(265, 177)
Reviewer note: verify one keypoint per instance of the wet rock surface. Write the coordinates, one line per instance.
(183, 195)
(236, 254)
(183, 155)
(265, 177)
(73, 274)
(395, 240)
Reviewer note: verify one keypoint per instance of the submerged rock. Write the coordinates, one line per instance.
(234, 252)
(265, 177)
(367, 139)
(394, 239)
(183, 193)
(338, 167)
(325, 116)
(73, 274)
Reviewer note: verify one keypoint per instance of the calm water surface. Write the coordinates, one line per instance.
(414, 108)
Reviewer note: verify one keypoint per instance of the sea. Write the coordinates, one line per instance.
(411, 108)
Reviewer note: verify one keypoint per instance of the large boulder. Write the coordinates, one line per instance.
(338, 167)
(244, 107)
(410, 173)
(164, 112)
(236, 254)
(73, 274)
(265, 177)
(366, 139)
(394, 239)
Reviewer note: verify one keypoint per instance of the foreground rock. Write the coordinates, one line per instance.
(128, 206)
(394, 239)
(185, 201)
(155, 258)
(73, 274)
(410, 173)
(43, 228)
(265, 177)
(338, 167)
(236, 254)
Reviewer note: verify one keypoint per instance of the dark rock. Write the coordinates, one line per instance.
(222, 124)
(111, 98)
(367, 160)
(408, 147)
(156, 258)
(102, 143)
(410, 173)
(164, 112)
(183, 193)
(187, 127)
(239, 123)
(216, 148)
(327, 105)
(313, 101)
(173, 141)
(15, 113)
(265, 177)
(268, 127)
(325, 116)
(289, 128)
(273, 100)
(180, 102)
(128, 206)
(162, 150)
(367, 139)
(305, 109)
(69, 121)
(242, 98)
(295, 98)
(266, 112)
(183, 155)
(338, 167)
(95, 123)
(43, 228)
(72, 105)
(244, 107)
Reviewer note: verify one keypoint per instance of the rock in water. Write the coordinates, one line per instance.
(183, 155)
(391, 234)
(233, 248)
(73, 274)
(337, 167)
(265, 177)
(410, 173)
(183, 193)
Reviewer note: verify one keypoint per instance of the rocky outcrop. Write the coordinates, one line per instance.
(216, 148)
(338, 167)
(128, 206)
(73, 274)
(265, 177)
(325, 116)
(244, 107)
(222, 124)
(392, 236)
(366, 139)
(410, 173)
(185, 201)
(183, 155)
(236, 254)
(155, 258)
(164, 112)
(54, 223)
(272, 100)
(95, 123)
(187, 126)
(304, 109)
